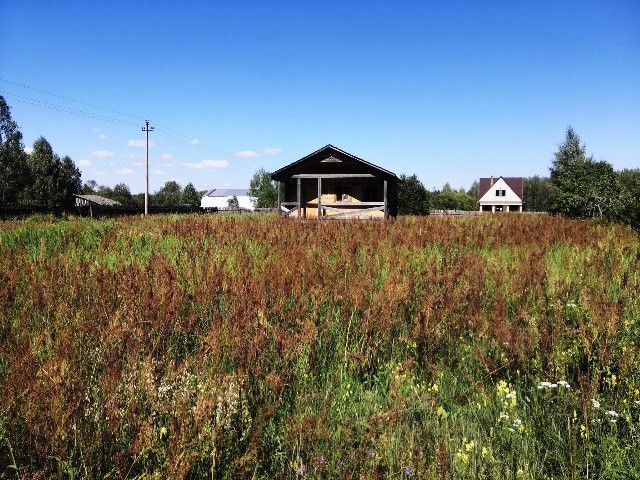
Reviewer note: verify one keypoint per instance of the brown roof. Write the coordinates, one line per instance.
(327, 156)
(515, 183)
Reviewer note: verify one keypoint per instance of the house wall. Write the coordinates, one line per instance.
(510, 197)
(223, 202)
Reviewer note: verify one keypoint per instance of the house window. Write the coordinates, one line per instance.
(501, 193)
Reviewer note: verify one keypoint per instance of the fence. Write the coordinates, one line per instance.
(23, 211)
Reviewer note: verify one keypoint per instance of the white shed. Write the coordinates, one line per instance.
(219, 198)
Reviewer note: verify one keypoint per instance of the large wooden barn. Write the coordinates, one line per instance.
(335, 184)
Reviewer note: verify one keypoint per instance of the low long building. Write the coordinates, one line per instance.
(219, 198)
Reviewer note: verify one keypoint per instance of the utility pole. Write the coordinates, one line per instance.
(147, 129)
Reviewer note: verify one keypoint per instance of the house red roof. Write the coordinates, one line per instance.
(515, 183)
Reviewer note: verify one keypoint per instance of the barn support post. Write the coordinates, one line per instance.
(279, 200)
(319, 197)
(299, 180)
(386, 206)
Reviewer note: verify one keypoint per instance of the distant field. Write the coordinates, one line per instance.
(502, 347)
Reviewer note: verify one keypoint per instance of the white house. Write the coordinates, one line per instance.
(219, 198)
(502, 194)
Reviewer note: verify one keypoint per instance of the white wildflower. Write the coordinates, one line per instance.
(564, 384)
(612, 413)
(511, 394)
(547, 385)
(595, 403)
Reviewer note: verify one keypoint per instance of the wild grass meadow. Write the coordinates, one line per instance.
(493, 347)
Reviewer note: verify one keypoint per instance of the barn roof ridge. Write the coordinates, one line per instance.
(338, 150)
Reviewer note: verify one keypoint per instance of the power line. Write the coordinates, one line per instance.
(170, 133)
(68, 98)
(62, 108)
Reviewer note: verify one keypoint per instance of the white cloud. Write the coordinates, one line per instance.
(84, 162)
(102, 136)
(28, 150)
(195, 141)
(247, 154)
(169, 165)
(137, 164)
(208, 164)
(160, 173)
(124, 171)
(140, 143)
(271, 151)
(166, 156)
(101, 154)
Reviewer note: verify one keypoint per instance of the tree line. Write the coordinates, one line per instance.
(578, 186)
(40, 177)
(171, 194)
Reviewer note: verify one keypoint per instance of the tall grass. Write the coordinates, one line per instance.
(204, 347)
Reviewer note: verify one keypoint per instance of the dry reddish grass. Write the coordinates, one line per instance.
(198, 345)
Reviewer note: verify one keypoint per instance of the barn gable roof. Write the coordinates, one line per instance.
(228, 192)
(99, 200)
(515, 183)
(327, 155)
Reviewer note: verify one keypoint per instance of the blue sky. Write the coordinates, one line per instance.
(448, 90)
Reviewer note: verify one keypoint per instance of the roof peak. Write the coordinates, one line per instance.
(338, 150)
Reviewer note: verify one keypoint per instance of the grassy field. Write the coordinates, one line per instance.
(501, 347)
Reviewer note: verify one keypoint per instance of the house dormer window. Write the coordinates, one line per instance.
(501, 193)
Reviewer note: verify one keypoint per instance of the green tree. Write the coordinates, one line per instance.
(69, 182)
(450, 199)
(474, 189)
(580, 186)
(233, 202)
(169, 195)
(263, 190)
(137, 200)
(122, 194)
(52, 181)
(537, 194)
(630, 182)
(190, 196)
(89, 187)
(413, 197)
(43, 169)
(14, 171)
